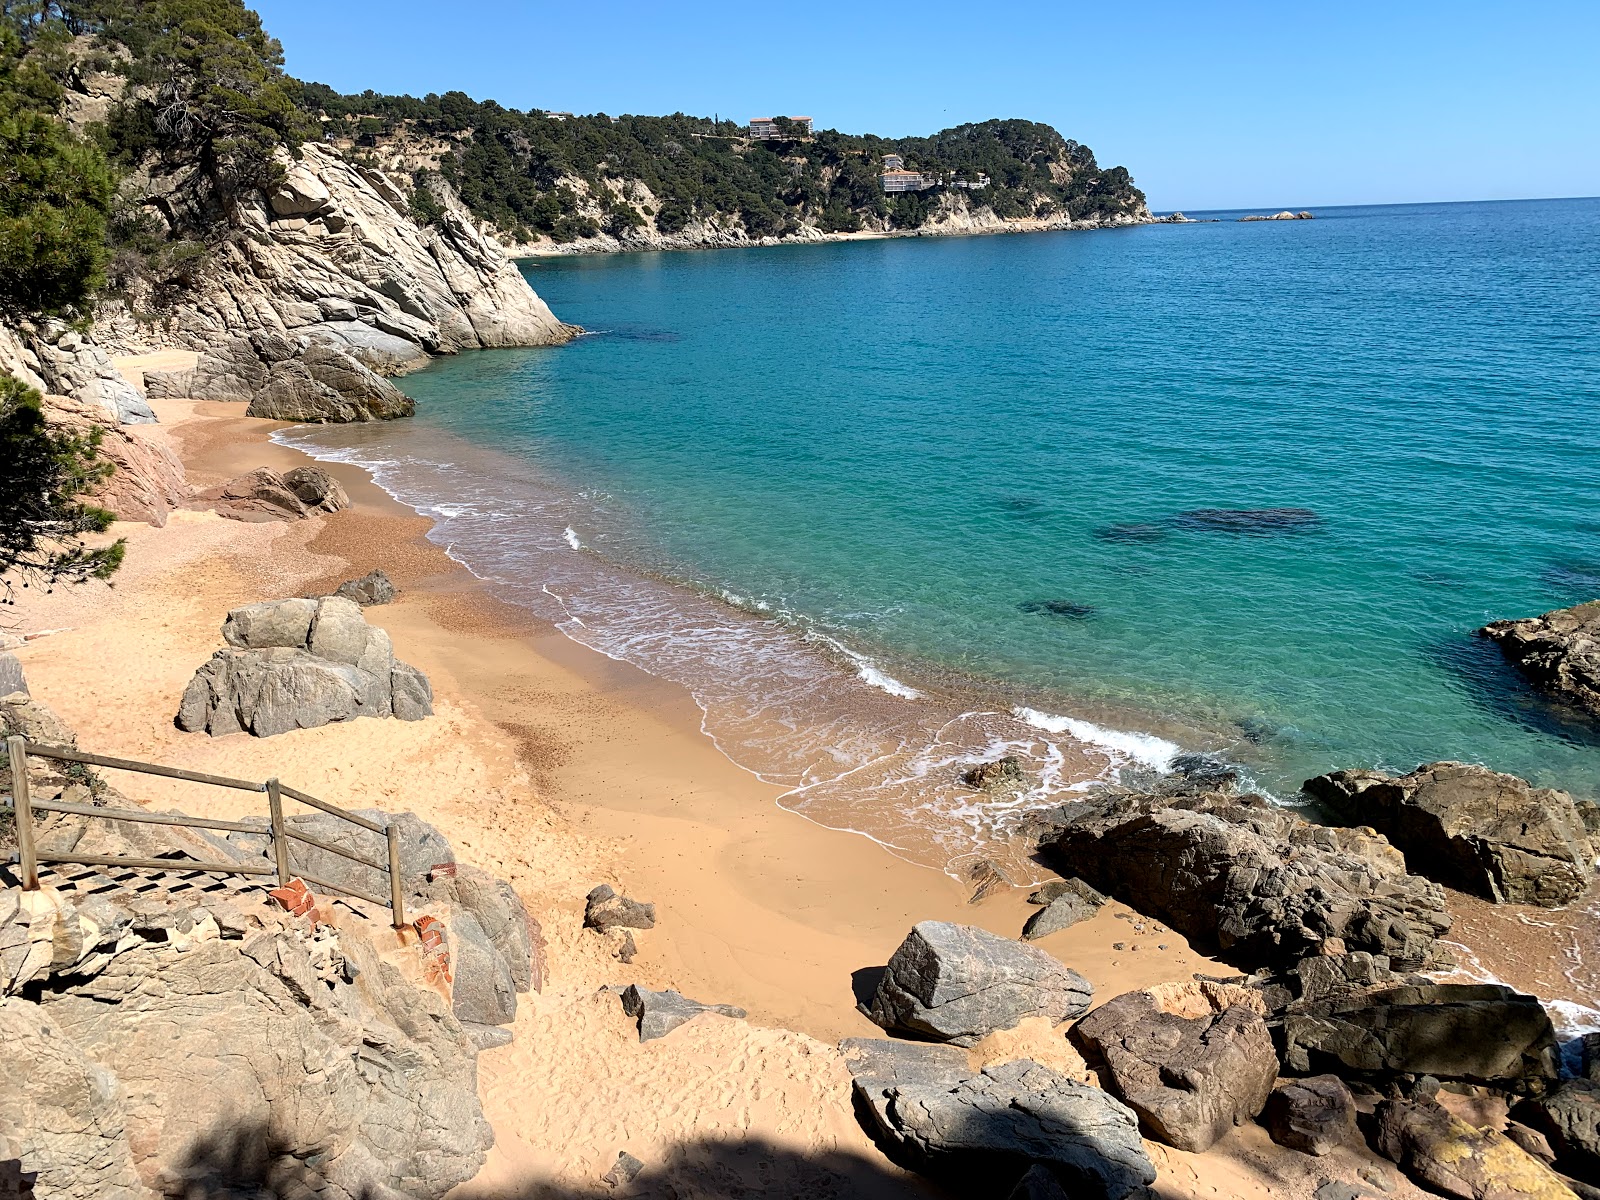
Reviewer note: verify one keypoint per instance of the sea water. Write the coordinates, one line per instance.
(888, 508)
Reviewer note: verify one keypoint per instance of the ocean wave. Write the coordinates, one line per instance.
(571, 536)
(869, 671)
(1143, 748)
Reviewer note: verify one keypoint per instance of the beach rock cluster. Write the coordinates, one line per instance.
(1471, 829)
(265, 495)
(58, 360)
(297, 664)
(957, 984)
(1559, 652)
(1254, 882)
(286, 378)
(375, 587)
(1285, 215)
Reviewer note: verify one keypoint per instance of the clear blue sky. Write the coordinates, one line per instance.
(1209, 105)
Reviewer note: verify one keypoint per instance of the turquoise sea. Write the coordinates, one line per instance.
(887, 507)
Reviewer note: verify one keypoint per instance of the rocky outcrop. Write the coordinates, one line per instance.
(1444, 1153)
(149, 1007)
(147, 480)
(334, 255)
(1285, 215)
(659, 1013)
(1254, 881)
(373, 588)
(297, 664)
(1314, 1116)
(998, 775)
(1192, 1059)
(1471, 828)
(1559, 652)
(286, 378)
(264, 495)
(58, 360)
(1471, 1033)
(958, 984)
(930, 1112)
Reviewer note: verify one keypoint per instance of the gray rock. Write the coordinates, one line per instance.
(1471, 828)
(1050, 892)
(483, 992)
(987, 878)
(1066, 910)
(324, 383)
(605, 910)
(1334, 1189)
(957, 983)
(1470, 1033)
(413, 694)
(339, 633)
(1559, 652)
(996, 1125)
(317, 489)
(1569, 1119)
(12, 681)
(878, 1065)
(659, 1013)
(624, 1170)
(1315, 1115)
(486, 1037)
(259, 495)
(372, 588)
(1038, 1183)
(1192, 1059)
(1252, 881)
(500, 914)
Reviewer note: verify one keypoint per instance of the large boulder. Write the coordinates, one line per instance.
(372, 588)
(1471, 828)
(988, 1130)
(1559, 652)
(259, 495)
(316, 488)
(1569, 1119)
(1192, 1059)
(604, 910)
(958, 984)
(1251, 881)
(1315, 1115)
(298, 664)
(1444, 1153)
(1467, 1032)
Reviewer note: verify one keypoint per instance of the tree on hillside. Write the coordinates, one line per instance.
(43, 473)
(55, 193)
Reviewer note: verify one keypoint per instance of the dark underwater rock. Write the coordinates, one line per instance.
(1264, 521)
(1069, 609)
(1130, 532)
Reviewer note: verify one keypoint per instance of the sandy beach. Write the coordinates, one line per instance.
(559, 769)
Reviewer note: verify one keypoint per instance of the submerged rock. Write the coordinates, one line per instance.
(1261, 521)
(1131, 532)
(958, 984)
(1559, 652)
(1471, 828)
(998, 775)
(1058, 608)
(1192, 1059)
(1256, 882)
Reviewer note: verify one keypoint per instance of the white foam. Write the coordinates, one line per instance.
(572, 538)
(871, 672)
(1143, 748)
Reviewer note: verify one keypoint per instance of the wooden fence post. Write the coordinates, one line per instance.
(397, 900)
(280, 841)
(22, 798)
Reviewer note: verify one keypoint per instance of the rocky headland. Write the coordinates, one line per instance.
(1559, 652)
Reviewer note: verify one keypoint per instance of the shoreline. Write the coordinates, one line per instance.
(560, 768)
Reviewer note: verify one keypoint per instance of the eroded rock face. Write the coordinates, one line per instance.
(997, 1125)
(147, 481)
(1559, 652)
(1443, 1152)
(1569, 1119)
(1258, 884)
(1192, 1059)
(58, 360)
(958, 983)
(1471, 828)
(1474, 1033)
(297, 664)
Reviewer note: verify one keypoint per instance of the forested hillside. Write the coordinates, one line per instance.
(533, 175)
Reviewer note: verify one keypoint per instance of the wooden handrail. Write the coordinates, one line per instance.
(278, 832)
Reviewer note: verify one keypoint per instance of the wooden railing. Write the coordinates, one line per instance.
(278, 832)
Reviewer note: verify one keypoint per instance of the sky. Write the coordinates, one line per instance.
(1268, 105)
